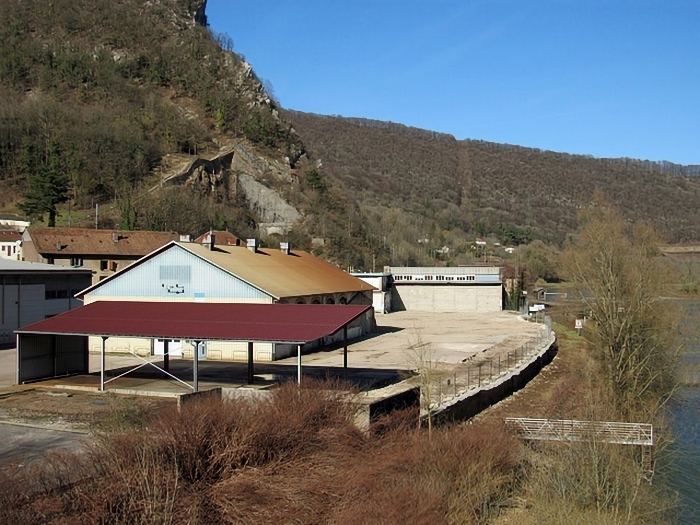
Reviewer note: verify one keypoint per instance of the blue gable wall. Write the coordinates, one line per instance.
(177, 274)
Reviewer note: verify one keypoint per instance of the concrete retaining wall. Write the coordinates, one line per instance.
(480, 399)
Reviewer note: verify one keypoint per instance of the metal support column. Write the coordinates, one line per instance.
(299, 364)
(195, 367)
(345, 352)
(18, 355)
(251, 369)
(166, 355)
(102, 363)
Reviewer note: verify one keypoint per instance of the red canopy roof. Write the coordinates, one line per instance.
(277, 323)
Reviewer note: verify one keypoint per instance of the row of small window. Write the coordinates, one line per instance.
(434, 277)
(329, 300)
(10, 249)
(60, 294)
(105, 265)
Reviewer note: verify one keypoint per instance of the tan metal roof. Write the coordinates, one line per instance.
(84, 241)
(279, 274)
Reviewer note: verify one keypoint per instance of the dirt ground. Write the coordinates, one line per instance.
(76, 412)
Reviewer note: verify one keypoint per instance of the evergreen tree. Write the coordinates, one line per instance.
(48, 187)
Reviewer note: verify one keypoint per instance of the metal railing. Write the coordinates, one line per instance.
(478, 372)
(574, 430)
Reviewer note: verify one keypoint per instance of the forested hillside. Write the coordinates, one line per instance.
(96, 93)
(516, 194)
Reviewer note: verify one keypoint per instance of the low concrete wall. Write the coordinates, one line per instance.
(183, 399)
(484, 397)
(384, 401)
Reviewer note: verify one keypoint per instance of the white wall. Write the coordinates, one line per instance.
(455, 298)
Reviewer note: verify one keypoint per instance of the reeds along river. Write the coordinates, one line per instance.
(684, 458)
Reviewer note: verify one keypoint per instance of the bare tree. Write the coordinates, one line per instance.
(423, 358)
(617, 277)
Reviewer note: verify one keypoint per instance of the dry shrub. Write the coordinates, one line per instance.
(293, 458)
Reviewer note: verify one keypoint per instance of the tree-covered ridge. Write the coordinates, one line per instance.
(513, 193)
(114, 86)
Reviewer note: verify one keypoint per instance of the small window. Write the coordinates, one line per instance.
(61, 294)
(76, 261)
(112, 266)
(103, 265)
(50, 294)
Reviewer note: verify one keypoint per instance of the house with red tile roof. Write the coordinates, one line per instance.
(103, 251)
(10, 245)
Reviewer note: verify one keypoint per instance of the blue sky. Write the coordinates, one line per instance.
(603, 78)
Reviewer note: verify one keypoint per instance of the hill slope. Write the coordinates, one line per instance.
(100, 95)
(512, 192)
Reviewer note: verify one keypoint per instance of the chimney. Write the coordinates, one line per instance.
(115, 236)
(284, 246)
(252, 245)
(185, 238)
(210, 240)
(59, 246)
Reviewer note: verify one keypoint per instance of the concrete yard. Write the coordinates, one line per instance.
(451, 338)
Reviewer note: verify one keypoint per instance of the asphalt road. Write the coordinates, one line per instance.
(8, 366)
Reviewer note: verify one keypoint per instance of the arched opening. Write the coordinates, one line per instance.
(330, 300)
(301, 301)
(316, 301)
(343, 300)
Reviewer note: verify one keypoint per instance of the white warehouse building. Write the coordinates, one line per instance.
(446, 289)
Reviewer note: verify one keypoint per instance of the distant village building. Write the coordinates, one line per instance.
(32, 292)
(446, 289)
(103, 251)
(210, 272)
(11, 245)
(13, 222)
(222, 238)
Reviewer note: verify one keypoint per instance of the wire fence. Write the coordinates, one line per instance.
(442, 386)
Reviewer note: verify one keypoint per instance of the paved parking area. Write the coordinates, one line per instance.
(451, 338)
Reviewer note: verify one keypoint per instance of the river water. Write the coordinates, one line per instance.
(684, 457)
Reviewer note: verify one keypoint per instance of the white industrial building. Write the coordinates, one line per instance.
(446, 289)
(189, 272)
(381, 296)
